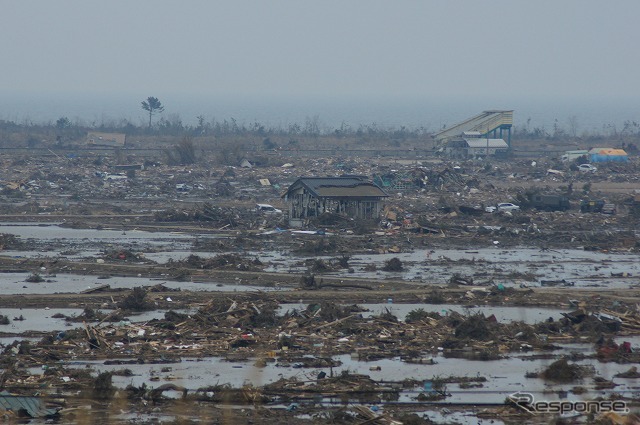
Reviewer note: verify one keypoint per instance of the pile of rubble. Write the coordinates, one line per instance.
(251, 326)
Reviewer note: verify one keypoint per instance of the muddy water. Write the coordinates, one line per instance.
(7, 340)
(517, 266)
(528, 315)
(15, 283)
(41, 320)
(446, 416)
(584, 269)
(51, 240)
(79, 251)
(38, 320)
(511, 267)
(504, 377)
(49, 231)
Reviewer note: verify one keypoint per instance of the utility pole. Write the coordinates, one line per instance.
(487, 152)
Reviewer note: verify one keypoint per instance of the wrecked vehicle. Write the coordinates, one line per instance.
(587, 168)
(504, 206)
(550, 202)
(591, 206)
(267, 209)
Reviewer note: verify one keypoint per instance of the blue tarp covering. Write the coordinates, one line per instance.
(607, 155)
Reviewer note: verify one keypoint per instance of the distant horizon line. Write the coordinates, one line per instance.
(433, 113)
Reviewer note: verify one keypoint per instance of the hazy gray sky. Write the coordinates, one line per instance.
(327, 47)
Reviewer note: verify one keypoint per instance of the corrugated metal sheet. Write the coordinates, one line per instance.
(482, 143)
(31, 406)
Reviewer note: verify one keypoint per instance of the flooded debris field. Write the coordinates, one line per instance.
(148, 299)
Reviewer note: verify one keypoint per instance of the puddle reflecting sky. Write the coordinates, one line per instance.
(423, 266)
(529, 315)
(504, 376)
(14, 284)
(49, 231)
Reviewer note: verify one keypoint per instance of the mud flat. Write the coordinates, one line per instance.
(257, 340)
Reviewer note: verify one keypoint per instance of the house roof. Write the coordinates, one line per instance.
(339, 187)
(608, 151)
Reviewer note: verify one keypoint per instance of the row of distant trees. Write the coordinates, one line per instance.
(630, 129)
(172, 125)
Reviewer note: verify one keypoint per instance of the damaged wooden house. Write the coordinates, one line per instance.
(352, 196)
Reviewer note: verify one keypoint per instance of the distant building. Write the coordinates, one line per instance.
(607, 155)
(490, 124)
(475, 147)
(111, 140)
(573, 155)
(353, 196)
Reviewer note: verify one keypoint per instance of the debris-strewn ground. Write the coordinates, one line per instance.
(204, 230)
